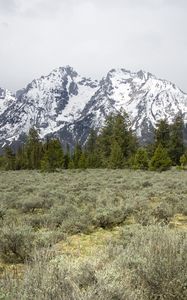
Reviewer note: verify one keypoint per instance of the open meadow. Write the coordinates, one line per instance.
(93, 234)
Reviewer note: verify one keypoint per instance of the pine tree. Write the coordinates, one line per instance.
(71, 164)
(67, 157)
(177, 140)
(160, 160)
(33, 149)
(77, 155)
(21, 159)
(122, 133)
(116, 129)
(2, 162)
(104, 140)
(92, 141)
(162, 134)
(82, 161)
(53, 157)
(9, 158)
(91, 150)
(141, 159)
(116, 159)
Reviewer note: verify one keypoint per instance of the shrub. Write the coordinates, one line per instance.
(148, 263)
(46, 280)
(59, 214)
(16, 243)
(108, 217)
(155, 264)
(2, 212)
(162, 213)
(32, 203)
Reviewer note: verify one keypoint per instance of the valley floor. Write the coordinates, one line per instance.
(93, 234)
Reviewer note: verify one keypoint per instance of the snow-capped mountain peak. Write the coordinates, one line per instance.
(67, 105)
(48, 102)
(144, 97)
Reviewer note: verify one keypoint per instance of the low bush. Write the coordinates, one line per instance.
(156, 264)
(16, 243)
(30, 204)
(109, 217)
(146, 263)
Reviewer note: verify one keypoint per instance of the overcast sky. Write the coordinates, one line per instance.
(92, 36)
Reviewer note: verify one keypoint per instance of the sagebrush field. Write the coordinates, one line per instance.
(93, 234)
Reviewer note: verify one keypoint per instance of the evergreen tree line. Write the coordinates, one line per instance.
(114, 147)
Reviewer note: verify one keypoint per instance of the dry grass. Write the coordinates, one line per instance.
(87, 245)
(179, 221)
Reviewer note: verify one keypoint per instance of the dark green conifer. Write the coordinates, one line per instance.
(53, 157)
(77, 155)
(9, 158)
(160, 160)
(177, 142)
(21, 158)
(116, 131)
(67, 157)
(83, 161)
(33, 149)
(92, 150)
(141, 159)
(116, 159)
(162, 134)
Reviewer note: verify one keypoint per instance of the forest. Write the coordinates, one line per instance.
(116, 146)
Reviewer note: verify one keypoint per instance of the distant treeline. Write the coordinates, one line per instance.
(116, 146)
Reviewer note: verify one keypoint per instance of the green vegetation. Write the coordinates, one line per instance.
(116, 147)
(141, 160)
(53, 157)
(183, 161)
(93, 234)
(160, 160)
(73, 227)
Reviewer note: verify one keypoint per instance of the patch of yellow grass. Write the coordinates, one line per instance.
(130, 220)
(15, 270)
(179, 221)
(85, 245)
(154, 202)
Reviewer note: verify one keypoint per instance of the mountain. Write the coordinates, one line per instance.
(144, 97)
(50, 103)
(6, 100)
(66, 105)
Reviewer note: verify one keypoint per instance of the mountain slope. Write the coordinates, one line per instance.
(144, 97)
(49, 103)
(66, 105)
(6, 100)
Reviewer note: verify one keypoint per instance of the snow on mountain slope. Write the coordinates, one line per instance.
(6, 99)
(144, 97)
(66, 105)
(49, 103)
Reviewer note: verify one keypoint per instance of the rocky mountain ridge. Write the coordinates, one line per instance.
(65, 105)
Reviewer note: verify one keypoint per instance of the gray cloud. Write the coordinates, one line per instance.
(92, 36)
(7, 6)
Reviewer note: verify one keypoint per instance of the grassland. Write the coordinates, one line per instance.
(93, 234)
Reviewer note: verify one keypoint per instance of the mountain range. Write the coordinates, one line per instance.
(66, 105)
